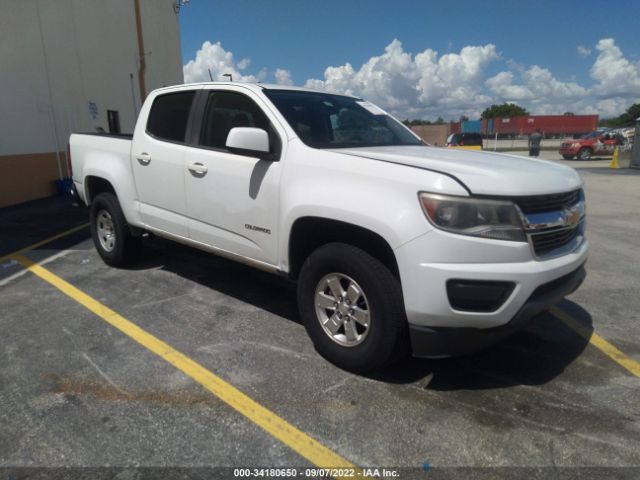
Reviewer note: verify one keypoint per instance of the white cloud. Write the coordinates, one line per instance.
(212, 57)
(428, 85)
(283, 77)
(422, 85)
(539, 88)
(614, 74)
(583, 51)
(502, 85)
(455, 79)
(612, 107)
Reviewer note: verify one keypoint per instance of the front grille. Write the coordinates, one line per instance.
(552, 239)
(549, 222)
(565, 145)
(547, 203)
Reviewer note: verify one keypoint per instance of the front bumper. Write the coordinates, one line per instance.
(568, 151)
(436, 259)
(447, 341)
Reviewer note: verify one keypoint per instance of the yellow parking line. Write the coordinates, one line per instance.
(294, 438)
(597, 341)
(24, 250)
(300, 442)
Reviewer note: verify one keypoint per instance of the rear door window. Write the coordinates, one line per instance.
(169, 116)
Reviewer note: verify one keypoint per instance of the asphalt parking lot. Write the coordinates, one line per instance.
(84, 385)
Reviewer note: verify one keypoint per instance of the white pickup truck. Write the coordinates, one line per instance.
(396, 246)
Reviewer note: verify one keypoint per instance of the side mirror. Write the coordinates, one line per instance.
(252, 141)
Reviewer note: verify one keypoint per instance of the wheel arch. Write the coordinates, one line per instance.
(585, 147)
(116, 180)
(309, 233)
(95, 185)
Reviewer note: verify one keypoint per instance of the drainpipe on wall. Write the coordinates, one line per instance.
(133, 98)
(52, 114)
(142, 65)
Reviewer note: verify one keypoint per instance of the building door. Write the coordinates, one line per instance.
(113, 117)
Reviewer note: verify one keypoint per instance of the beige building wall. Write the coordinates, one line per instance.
(432, 134)
(25, 177)
(59, 57)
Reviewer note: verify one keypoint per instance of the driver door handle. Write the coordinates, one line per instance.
(198, 169)
(143, 158)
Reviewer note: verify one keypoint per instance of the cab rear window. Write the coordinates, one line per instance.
(169, 115)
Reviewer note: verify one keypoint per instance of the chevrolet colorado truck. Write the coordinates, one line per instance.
(395, 246)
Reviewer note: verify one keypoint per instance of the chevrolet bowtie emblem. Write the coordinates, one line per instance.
(571, 216)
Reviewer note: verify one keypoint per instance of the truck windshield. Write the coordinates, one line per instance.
(323, 120)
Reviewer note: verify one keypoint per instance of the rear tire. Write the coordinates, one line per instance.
(110, 231)
(352, 308)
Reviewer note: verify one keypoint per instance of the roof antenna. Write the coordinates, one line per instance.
(210, 76)
(228, 75)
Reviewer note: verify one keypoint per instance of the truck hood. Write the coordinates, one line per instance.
(483, 173)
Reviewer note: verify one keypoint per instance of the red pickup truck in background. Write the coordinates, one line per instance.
(600, 142)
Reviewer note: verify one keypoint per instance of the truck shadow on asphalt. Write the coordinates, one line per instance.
(534, 356)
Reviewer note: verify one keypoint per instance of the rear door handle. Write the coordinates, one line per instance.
(198, 169)
(143, 158)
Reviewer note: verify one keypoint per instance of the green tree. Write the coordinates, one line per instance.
(627, 119)
(411, 123)
(634, 112)
(506, 110)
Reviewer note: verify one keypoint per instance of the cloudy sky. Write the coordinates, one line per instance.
(424, 59)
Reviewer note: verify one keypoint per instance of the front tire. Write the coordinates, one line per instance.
(352, 308)
(110, 231)
(585, 153)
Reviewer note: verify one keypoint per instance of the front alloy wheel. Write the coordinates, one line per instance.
(352, 308)
(342, 309)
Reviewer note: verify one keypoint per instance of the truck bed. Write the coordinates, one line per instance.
(90, 152)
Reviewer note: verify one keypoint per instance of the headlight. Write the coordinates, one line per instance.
(575, 145)
(471, 216)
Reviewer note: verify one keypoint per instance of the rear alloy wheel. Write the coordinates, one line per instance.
(110, 231)
(105, 231)
(585, 153)
(352, 308)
